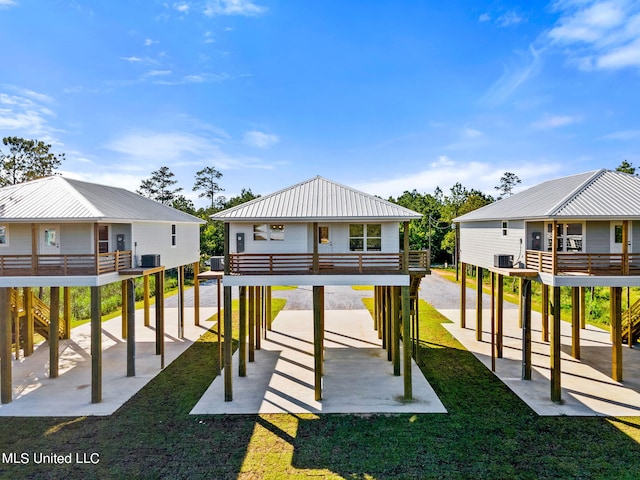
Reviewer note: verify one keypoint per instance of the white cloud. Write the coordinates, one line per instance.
(260, 139)
(512, 78)
(148, 42)
(26, 113)
(472, 133)
(598, 34)
(8, 3)
(485, 17)
(158, 73)
(131, 59)
(182, 7)
(233, 7)
(508, 19)
(555, 121)
(622, 135)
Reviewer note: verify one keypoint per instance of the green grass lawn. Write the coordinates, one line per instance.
(488, 432)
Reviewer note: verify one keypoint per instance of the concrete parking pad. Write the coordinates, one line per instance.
(35, 394)
(587, 387)
(358, 378)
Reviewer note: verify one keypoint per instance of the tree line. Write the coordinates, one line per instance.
(32, 159)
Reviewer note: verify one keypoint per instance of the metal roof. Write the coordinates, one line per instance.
(597, 194)
(62, 199)
(317, 199)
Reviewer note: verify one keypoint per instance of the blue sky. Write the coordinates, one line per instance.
(385, 96)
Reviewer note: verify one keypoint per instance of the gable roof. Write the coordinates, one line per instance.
(317, 199)
(597, 194)
(61, 199)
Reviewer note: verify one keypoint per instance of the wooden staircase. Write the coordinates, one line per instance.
(631, 315)
(40, 312)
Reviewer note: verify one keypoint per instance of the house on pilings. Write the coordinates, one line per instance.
(59, 233)
(319, 233)
(577, 231)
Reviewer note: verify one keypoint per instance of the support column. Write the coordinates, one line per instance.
(219, 317)
(96, 345)
(54, 328)
(123, 309)
(463, 295)
(196, 294)
(525, 300)
(131, 328)
(160, 316)
(181, 301)
(228, 340)
(556, 384)
(29, 327)
(268, 309)
(252, 324)
(479, 304)
(545, 312)
(145, 286)
(583, 307)
(520, 306)
(318, 301)
(15, 322)
(242, 341)
(500, 317)
(492, 277)
(6, 389)
(66, 295)
(575, 322)
(258, 311)
(616, 332)
(406, 342)
(395, 321)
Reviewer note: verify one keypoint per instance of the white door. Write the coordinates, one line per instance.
(325, 243)
(616, 237)
(50, 239)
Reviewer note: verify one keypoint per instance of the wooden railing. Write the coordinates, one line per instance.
(64, 265)
(327, 263)
(585, 263)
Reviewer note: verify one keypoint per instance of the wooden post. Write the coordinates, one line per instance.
(375, 307)
(66, 295)
(321, 329)
(160, 316)
(525, 300)
(181, 301)
(395, 320)
(227, 255)
(583, 307)
(219, 317)
(492, 278)
(258, 312)
(125, 304)
(15, 320)
(228, 341)
(131, 328)
(196, 294)
(316, 259)
(556, 384)
(479, 304)
(545, 312)
(147, 315)
(242, 341)
(27, 295)
(575, 322)
(268, 308)
(6, 389)
(616, 332)
(406, 342)
(252, 323)
(463, 295)
(625, 247)
(500, 317)
(520, 306)
(96, 345)
(317, 340)
(54, 328)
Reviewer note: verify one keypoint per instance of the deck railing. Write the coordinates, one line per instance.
(327, 263)
(584, 263)
(64, 265)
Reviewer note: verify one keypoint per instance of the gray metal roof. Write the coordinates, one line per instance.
(597, 194)
(317, 199)
(63, 199)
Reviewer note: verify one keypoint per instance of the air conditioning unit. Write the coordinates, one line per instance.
(151, 260)
(217, 264)
(503, 261)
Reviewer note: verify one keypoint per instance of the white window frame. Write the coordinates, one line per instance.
(272, 232)
(365, 237)
(174, 235)
(6, 235)
(565, 237)
(505, 228)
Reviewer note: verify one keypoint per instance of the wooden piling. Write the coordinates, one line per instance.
(545, 312)
(96, 345)
(27, 295)
(146, 300)
(131, 328)
(500, 317)
(575, 322)
(406, 342)
(616, 332)
(252, 323)
(463, 295)
(6, 388)
(555, 349)
(479, 304)
(196, 294)
(66, 296)
(54, 329)
(317, 341)
(525, 300)
(228, 341)
(242, 341)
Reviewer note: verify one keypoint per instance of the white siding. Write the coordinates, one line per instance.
(480, 241)
(19, 239)
(598, 237)
(155, 238)
(76, 238)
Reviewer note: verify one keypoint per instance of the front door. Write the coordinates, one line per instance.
(50, 239)
(616, 237)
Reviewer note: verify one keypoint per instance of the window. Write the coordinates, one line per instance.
(323, 235)
(4, 235)
(173, 235)
(266, 232)
(505, 228)
(569, 237)
(365, 238)
(103, 238)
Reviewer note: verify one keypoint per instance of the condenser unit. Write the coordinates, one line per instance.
(151, 260)
(503, 261)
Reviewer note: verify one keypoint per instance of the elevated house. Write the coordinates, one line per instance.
(320, 233)
(58, 232)
(577, 231)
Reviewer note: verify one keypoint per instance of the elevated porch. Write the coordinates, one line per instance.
(596, 264)
(64, 265)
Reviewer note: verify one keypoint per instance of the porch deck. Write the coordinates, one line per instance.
(64, 265)
(603, 264)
